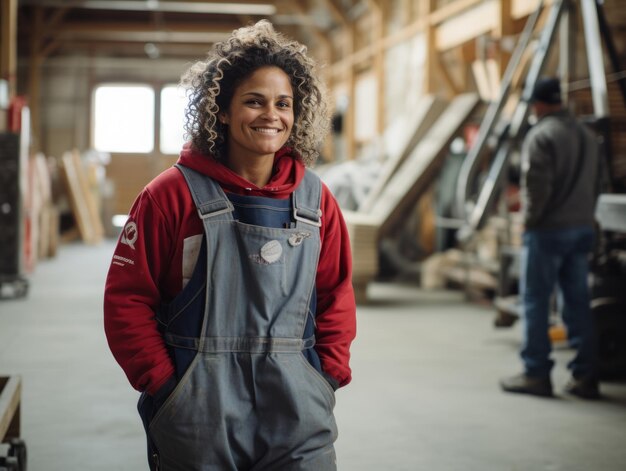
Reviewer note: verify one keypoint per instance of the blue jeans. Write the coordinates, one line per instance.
(551, 258)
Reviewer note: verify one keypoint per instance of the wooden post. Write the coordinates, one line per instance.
(350, 118)
(430, 65)
(503, 29)
(348, 31)
(379, 62)
(34, 77)
(8, 43)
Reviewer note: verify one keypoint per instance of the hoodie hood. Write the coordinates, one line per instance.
(287, 173)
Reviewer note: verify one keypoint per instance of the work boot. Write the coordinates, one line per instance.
(524, 384)
(586, 388)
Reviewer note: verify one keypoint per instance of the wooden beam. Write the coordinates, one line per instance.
(8, 43)
(350, 118)
(50, 47)
(53, 22)
(482, 81)
(406, 7)
(337, 12)
(245, 7)
(379, 63)
(348, 73)
(456, 23)
(300, 11)
(503, 29)
(225, 27)
(135, 49)
(481, 19)
(523, 8)
(144, 36)
(10, 392)
(451, 9)
(430, 64)
(34, 77)
(451, 85)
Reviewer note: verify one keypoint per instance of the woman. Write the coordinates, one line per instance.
(229, 302)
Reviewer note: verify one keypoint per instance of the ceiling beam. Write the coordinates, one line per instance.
(142, 27)
(137, 49)
(337, 12)
(144, 36)
(223, 8)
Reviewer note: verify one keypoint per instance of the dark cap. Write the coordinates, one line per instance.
(547, 90)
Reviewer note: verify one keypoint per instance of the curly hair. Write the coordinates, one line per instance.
(211, 83)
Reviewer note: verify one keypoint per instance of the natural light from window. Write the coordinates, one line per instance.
(124, 118)
(173, 103)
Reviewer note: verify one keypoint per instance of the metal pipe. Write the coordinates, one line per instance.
(595, 59)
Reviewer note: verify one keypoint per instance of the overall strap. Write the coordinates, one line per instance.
(209, 198)
(307, 199)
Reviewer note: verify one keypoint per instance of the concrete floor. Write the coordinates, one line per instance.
(424, 394)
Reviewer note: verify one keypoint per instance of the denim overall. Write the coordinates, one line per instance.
(250, 393)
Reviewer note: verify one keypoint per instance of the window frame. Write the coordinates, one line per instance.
(157, 88)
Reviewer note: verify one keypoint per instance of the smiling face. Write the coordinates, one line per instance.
(260, 116)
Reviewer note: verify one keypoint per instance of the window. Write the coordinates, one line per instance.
(124, 118)
(173, 103)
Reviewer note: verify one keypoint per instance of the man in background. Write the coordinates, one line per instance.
(560, 184)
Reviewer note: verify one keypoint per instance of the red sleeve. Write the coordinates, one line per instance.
(336, 307)
(132, 295)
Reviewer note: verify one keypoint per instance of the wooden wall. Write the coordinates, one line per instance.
(66, 115)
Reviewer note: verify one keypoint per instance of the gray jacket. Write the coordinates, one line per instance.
(558, 190)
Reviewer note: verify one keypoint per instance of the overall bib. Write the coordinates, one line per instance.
(250, 393)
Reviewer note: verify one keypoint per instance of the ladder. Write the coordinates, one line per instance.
(508, 136)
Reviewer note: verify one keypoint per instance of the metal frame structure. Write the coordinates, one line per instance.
(510, 135)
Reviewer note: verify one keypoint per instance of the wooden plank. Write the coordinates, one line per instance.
(46, 212)
(401, 140)
(453, 88)
(418, 170)
(76, 197)
(412, 178)
(504, 28)
(10, 391)
(523, 8)
(350, 118)
(467, 25)
(81, 199)
(493, 77)
(451, 9)
(482, 82)
(363, 234)
(379, 18)
(90, 197)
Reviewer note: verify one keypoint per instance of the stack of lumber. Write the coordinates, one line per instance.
(415, 169)
(82, 201)
(41, 218)
(48, 215)
(400, 141)
(420, 168)
(363, 233)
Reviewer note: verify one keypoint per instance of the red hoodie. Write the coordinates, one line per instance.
(147, 268)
